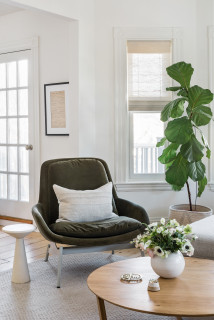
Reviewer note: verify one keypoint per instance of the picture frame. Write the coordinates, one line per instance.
(56, 109)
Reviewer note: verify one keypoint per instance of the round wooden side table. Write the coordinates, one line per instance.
(190, 295)
(20, 267)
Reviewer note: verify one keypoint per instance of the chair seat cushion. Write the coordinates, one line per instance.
(97, 229)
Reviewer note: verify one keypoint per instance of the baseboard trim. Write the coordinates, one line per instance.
(8, 218)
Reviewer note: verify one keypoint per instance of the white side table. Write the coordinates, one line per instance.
(20, 267)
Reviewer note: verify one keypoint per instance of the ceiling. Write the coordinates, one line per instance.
(7, 9)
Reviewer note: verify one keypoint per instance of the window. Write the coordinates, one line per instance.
(141, 58)
(147, 81)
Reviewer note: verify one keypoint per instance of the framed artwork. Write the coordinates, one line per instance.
(56, 109)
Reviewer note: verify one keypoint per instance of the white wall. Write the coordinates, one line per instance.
(96, 19)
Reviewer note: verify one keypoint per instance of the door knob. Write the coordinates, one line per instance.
(29, 147)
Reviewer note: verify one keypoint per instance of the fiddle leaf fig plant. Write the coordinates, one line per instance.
(186, 144)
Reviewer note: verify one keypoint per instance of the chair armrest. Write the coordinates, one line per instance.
(38, 213)
(131, 210)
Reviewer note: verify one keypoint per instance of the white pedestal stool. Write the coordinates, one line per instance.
(20, 267)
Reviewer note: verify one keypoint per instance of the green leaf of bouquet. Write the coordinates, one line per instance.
(161, 142)
(179, 130)
(181, 72)
(201, 115)
(183, 93)
(178, 104)
(192, 150)
(169, 153)
(208, 153)
(176, 188)
(173, 88)
(199, 96)
(178, 109)
(196, 170)
(177, 174)
(201, 186)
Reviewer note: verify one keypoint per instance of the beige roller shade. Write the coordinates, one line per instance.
(148, 46)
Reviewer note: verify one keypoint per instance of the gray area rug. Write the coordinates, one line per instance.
(40, 299)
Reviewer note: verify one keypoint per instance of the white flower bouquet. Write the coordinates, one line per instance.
(164, 238)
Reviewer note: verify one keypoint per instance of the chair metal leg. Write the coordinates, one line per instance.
(59, 267)
(47, 252)
(112, 252)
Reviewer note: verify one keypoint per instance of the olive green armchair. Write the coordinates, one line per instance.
(110, 234)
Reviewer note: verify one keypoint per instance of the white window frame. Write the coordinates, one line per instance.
(211, 124)
(32, 44)
(121, 36)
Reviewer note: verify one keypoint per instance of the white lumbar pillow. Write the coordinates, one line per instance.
(84, 206)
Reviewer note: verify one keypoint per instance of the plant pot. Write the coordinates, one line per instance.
(170, 267)
(184, 216)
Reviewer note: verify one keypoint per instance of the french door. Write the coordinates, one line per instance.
(16, 135)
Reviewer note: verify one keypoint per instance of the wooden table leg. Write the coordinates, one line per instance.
(179, 318)
(101, 309)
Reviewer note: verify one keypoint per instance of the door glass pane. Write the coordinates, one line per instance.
(3, 158)
(12, 155)
(2, 75)
(11, 74)
(2, 102)
(23, 131)
(23, 160)
(12, 130)
(145, 152)
(2, 130)
(23, 102)
(12, 103)
(3, 186)
(23, 73)
(24, 190)
(13, 190)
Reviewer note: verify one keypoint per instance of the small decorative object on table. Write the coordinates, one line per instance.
(153, 285)
(131, 278)
(165, 242)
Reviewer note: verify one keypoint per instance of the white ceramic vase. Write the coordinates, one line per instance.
(170, 267)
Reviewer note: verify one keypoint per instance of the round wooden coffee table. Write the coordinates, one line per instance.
(190, 295)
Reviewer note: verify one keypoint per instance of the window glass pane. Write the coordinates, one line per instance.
(3, 186)
(12, 102)
(3, 158)
(12, 155)
(24, 190)
(23, 160)
(2, 130)
(11, 74)
(12, 131)
(2, 103)
(23, 102)
(23, 73)
(23, 131)
(13, 187)
(2, 75)
(147, 131)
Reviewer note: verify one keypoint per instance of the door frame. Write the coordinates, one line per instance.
(33, 45)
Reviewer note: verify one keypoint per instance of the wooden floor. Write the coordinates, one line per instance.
(35, 246)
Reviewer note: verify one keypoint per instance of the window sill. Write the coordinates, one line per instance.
(143, 186)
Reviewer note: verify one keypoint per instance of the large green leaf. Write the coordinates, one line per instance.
(176, 188)
(177, 174)
(169, 153)
(179, 130)
(161, 142)
(201, 115)
(181, 72)
(199, 96)
(192, 150)
(177, 105)
(201, 186)
(204, 140)
(183, 93)
(196, 170)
